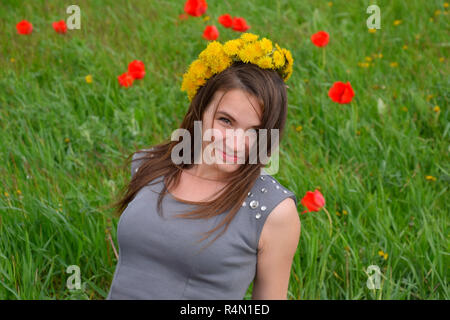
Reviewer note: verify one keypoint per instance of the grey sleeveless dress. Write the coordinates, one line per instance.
(160, 259)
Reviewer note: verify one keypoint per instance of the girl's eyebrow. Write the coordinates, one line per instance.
(232, 119)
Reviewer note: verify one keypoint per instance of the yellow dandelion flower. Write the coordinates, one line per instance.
(66, 140)
(299, 128)
(393, 64)
(330, 4)
(429, 97)
(441, 59)
(446, 5)
(338, 214)
(347, 248)
(12, 60)
(206, 18)
(380, 55)
(278, 58)
(405, 47)
(436, 109)
(397, 22)
(405, 109)
(430, 178)
(266, 45)
(288, 56)
(18, 191)
(249, 37)
(431, 19)
(232, 47)
(6, 194)
(363, 64)
(437, 12)
(344, 212)
(88, 78)
(368, 59)
(265, 62)
(385, 256)
(372, 30)
(198, 68)
(381, 253)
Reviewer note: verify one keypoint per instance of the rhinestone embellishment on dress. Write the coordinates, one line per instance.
(244, 204)
(258, 215)
(263, 208)
(263, 190)
(254, 204)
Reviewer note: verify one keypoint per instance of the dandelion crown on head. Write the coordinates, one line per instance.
(217, 57)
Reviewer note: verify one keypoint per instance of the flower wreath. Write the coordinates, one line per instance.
(217, 57)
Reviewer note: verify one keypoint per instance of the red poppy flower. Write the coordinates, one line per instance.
(320, 38)
(125, 79)
(24, 27)
(195, 8)
(210, 33)
(239, 24)
(313, 201)
(226, 20)
(136, 69)
(341, 92)
(60, 26)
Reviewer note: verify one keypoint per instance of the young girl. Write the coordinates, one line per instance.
(168, 204)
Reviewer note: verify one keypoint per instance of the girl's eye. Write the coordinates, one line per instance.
(229, 122)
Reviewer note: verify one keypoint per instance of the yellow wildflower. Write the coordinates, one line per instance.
(265, 62)
(299, 128)
(19, 192)
(405, 109)
(446, 5)
(206, 18)
(13, 60)
(6, 194)
(278, 58)
(266, 45)
(330, 4)
(66, 140)
(338, 214)
(249, 37)
(368, 59)
(405, 47)
(372, 30)
(344, 212)
(441, 59)
(397, 22)
(88, 78)
(436, 109)
(429, 97)
(430, 178)
(232, 47)
(393, 64)
(437, 12)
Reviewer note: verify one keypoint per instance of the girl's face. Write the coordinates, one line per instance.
(237, 113)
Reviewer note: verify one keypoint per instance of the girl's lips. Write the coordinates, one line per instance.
(224, 155)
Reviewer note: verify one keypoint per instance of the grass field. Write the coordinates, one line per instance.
(382, 161)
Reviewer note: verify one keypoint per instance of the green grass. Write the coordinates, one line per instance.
(372, 163)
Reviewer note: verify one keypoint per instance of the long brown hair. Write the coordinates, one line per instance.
(269, 89)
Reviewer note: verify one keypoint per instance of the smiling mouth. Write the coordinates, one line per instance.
(226, 156)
